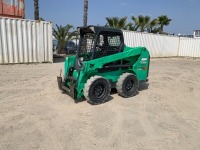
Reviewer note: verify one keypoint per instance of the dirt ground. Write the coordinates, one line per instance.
(165, 115)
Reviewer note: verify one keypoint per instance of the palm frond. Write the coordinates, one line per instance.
(116, 22)
(122, 23)
(63, 34)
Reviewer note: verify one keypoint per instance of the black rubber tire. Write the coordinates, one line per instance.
(127, 85)
(97, 90)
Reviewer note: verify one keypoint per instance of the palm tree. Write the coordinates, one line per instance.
(153, 26)
(141, 22)
(130, 27)
(163, 21)
(133, 26)
(115, 22)
(135, 23)
(42, 19)
(144, 22)
(63, 35)
(36, 9)
(85, 16)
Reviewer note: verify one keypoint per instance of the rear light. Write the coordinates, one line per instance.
(144, 68)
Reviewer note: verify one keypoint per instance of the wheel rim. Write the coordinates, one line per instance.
(99, 91)
(129, 85)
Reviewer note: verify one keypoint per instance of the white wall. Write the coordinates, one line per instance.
(189, 47)
(25, 41)
(163, 45)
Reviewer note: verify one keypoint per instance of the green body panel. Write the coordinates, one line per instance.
(69, 62)
(138, 57)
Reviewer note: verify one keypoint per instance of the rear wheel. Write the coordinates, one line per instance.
(97, 90)
(127, 85)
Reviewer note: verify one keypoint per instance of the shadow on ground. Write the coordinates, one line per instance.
(143, 86)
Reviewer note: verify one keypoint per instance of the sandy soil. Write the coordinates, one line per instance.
(165, 115)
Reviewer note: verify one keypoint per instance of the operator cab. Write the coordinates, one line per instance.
(96, 42)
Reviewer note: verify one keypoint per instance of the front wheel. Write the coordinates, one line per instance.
(127, 85)
(97, 90)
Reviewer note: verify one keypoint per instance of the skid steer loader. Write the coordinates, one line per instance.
(103, 62)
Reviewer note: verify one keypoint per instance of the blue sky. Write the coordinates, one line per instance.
(185, 14)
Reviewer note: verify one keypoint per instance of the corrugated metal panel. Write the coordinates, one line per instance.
(189, 47)
(12, 8)
(25, 41)
(158, 45)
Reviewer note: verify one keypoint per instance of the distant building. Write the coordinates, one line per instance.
(185, 35)
(196, 34)
(12, 8)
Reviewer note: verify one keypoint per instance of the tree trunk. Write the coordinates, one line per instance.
(36, 9)
(85, 17)
(161, 29)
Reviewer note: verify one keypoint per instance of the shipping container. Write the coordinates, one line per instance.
(25, 41)
(12, 8)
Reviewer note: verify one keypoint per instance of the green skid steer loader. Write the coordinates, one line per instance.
(103, 62)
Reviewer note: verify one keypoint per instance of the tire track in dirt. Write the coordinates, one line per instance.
(85, 127)
(157, 141)
(79, 124)
(47, 132)
(31, 124)
(144, 119)
(114, 135)
(98, 126)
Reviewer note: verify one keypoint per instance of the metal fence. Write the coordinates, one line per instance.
(25, 41)
(189, 47)
(162, 45)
